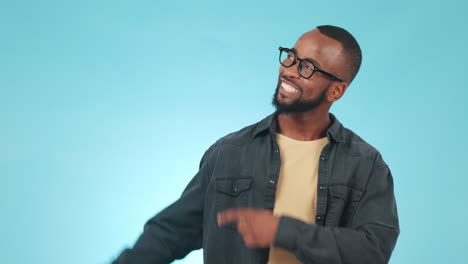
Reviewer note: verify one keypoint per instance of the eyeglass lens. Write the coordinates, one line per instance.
(288, 58)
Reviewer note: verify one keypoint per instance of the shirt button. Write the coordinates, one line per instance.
(322, 157)
(272, 181)
(236, 190)
(322, 187)
(319, 217)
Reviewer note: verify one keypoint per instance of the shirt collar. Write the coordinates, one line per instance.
(335, 130)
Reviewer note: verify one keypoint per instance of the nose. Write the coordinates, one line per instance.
(291, 72)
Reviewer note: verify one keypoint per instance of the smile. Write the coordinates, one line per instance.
(289, 88)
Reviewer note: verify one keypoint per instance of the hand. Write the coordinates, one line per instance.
(257, 226)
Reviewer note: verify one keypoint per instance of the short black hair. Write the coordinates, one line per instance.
(351, 50)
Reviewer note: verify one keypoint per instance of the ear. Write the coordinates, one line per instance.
(336, 91)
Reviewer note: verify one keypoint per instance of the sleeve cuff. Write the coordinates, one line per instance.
(289, 230)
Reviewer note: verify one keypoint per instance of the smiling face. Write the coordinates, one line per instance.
(297, 94)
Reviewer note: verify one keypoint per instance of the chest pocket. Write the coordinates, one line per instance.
(232, 186)
(342, 204)
(232, 193)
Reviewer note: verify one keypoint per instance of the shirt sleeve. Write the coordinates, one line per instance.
(369, 238)
(176, 230)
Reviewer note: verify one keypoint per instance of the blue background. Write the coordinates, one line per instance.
(106, 108)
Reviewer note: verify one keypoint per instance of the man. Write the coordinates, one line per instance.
(296, 187)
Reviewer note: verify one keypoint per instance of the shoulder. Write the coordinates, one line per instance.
(239, 138)
(355, 146)
(245, 135)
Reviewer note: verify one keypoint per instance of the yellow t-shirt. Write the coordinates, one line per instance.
(296, 194)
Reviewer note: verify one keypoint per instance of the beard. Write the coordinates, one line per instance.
(298, 105)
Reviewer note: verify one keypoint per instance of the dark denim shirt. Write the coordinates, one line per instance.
(356, 217)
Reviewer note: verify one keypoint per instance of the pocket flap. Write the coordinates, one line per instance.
(232, 186)
(344, 192)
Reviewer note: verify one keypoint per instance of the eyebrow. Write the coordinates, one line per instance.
(312, 60)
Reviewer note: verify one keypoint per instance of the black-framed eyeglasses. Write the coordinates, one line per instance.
(306, 67)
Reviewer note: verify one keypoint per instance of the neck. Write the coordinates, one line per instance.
(304, 126)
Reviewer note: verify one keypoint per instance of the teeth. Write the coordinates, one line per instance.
(289, 88)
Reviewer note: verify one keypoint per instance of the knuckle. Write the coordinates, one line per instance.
(249, 243)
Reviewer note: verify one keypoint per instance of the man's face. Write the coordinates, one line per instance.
(296, 94)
